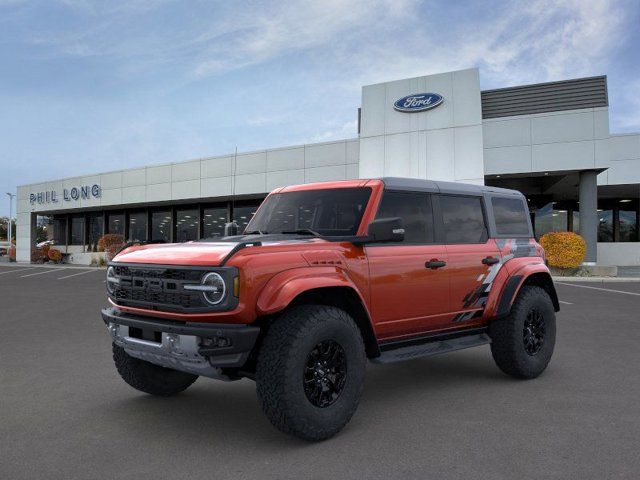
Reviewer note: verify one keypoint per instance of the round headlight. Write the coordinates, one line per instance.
(111, 280)
(214, 288)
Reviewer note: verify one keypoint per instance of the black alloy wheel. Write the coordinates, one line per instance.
(325, 373)
(533, 332)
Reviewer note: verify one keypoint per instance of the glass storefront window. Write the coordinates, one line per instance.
(138, 226)
(44, 228)
(213, 221)
(548, 219)
(243, 214)
(115, 223)
(161, 226)
(605, 225)
(60, 231)
(187, 225)
(77, 230)
(628, 226)
(96, 230)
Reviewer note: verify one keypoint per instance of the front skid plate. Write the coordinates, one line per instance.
(178, 352)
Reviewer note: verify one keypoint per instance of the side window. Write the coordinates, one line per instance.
(463, 219)
(415, 211)
(510, 216)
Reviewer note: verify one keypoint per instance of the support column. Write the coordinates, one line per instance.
(25, 235)
(588, 197)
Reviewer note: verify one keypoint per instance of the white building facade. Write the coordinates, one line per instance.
(551, 141)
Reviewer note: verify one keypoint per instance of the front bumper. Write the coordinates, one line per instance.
(198, 348)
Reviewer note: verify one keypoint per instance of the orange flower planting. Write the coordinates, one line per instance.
(54, 255)
(564, 249)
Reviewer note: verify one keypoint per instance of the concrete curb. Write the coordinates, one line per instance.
(65, 266)
(596, 279)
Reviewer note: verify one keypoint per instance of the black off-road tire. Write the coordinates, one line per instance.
(150, 378)
(508, 335)
(280, 372)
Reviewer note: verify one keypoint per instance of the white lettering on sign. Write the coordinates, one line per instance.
(417, 102)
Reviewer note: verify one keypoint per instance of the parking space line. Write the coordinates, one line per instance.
(76, 274)
(566, 303)
(600, 288)
(41, 273)
(16, 270)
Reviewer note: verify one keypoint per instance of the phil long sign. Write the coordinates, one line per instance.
(68, 194)
(418, 102)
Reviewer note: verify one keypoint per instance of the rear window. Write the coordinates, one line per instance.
(510, 215)
(463, 219)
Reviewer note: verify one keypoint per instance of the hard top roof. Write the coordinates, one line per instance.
(435, 186)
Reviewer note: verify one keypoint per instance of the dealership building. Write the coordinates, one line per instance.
(551, 141)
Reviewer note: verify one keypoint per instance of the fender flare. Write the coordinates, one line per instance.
(284, 287)
(531, 274)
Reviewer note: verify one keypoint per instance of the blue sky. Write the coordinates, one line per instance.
(89, 86)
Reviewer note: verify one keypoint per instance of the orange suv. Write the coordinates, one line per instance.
(326, 276)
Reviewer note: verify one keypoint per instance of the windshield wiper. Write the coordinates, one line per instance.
(302, 231)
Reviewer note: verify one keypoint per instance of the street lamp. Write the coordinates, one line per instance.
(11, 195)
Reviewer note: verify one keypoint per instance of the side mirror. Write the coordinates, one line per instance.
(231, 229)
(386, 230)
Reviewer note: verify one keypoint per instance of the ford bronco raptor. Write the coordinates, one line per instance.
(325, 277)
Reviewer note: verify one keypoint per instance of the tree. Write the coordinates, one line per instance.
(4, 223)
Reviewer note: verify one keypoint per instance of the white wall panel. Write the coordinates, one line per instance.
(285, 159)
(251, 183)
(216, 187)
(624, 147)
(158, 192)
(185, 171)
(131, 179)
(323, 174)
(110, 180)
(507, 133)
(507, 160)
(372, 119)
(325, 154)
(467, 106)
(562, 127)
(216, 167)
(468, 153)
(185, 189)
(160, 174)
(284, 178)
(440, 154)
(372, 157)
(563, 156)
(251, 163)
(136, 194)
(112, 196)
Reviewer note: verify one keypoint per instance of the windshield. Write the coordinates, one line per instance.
(329, 212)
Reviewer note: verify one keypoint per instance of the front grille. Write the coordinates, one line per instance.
(159, 288)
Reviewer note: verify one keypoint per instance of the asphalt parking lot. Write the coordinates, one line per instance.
(66, 414)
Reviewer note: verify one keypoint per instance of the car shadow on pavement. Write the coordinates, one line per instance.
(212, 412)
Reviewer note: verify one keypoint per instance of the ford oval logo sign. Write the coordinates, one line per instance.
(418, 102)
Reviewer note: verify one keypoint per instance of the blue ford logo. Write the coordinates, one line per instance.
(418, 102)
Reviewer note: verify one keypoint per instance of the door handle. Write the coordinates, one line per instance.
(490, 260)
(435, 263)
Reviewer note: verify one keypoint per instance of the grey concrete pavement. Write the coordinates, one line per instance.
(66, 414)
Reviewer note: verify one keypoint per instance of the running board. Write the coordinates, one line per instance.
(432, 348)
